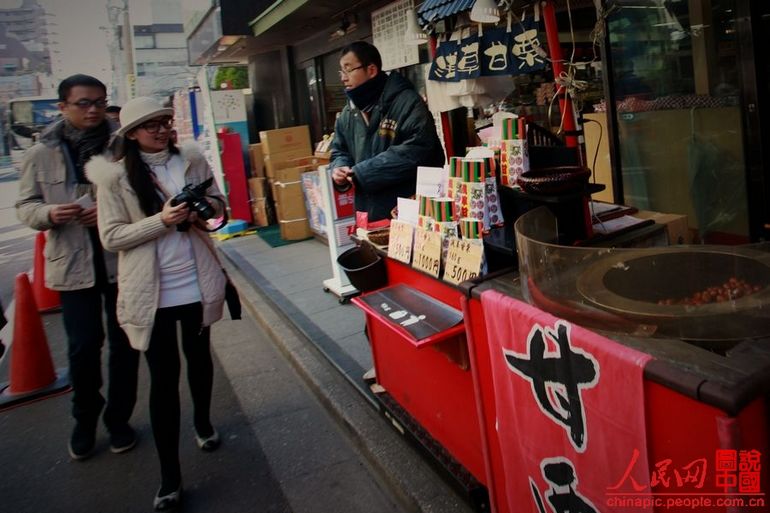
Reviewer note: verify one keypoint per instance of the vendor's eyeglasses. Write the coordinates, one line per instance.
(154, 126)
(86, 104)
(346, 72)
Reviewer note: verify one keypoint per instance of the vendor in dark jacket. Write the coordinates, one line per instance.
(382, 135)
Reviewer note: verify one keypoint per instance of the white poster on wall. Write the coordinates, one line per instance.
(388, 28)
(228, 106)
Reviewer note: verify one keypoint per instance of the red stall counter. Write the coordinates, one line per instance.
(431, 378)
(702, 409)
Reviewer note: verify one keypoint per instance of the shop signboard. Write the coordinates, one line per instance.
(130, 86)
(514, 50)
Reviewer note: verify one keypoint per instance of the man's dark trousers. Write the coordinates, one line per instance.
(81, 310)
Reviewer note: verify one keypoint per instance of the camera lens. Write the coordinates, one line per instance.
(204, 209)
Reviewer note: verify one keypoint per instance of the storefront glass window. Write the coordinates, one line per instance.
(676, 82)
(333, 90)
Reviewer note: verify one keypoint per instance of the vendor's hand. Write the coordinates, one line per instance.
(174, 215)
(342, 175)
(64, 213)
(87, 217)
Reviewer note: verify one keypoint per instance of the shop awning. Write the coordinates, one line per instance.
(222, 35)
(432, 11)
(274, 14)
(285, 22)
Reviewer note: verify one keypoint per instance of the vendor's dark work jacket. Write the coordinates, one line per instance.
(384, 154)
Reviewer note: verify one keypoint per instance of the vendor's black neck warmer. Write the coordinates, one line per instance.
(365, 96)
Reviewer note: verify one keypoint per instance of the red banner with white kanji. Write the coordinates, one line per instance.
(570, 410)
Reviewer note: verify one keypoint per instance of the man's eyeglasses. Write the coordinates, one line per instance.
(155, 125)
(347, 72)
(86, 104)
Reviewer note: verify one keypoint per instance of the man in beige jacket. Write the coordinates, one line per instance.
(55, 195)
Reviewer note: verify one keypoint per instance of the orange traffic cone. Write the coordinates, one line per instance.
(47, 300)
(32, 374)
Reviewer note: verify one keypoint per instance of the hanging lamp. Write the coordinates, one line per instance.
(485, 11)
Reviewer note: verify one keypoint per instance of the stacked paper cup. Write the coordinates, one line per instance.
(514, 153)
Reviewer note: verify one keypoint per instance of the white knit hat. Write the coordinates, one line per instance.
(137, 111)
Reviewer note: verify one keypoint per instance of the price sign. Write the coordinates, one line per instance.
(400, 241)
(463, 260)
(427, 251)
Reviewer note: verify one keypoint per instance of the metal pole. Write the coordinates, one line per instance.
(128, 49)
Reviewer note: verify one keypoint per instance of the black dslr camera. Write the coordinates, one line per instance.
(195, 197)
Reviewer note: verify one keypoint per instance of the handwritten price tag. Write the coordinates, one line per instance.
(400, 241)
(463, 260)
(427, 251)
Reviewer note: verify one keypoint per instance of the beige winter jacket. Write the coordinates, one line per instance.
(68, 250)
(124, 228)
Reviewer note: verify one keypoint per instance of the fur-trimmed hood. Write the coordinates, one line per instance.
(101, 170)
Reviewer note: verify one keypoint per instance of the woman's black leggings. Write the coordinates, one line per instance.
(163, 360)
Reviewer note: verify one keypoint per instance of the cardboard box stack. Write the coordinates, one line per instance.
(257, 160)
(285, 152)
(261, 202)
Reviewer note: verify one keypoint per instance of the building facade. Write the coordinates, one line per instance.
(159, 53)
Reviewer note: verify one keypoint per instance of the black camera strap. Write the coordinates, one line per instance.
(225, 217)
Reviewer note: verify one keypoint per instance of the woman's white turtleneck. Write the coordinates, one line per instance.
(178, 275)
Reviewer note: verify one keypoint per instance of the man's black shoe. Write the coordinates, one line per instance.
(82, 441)
(123, 439)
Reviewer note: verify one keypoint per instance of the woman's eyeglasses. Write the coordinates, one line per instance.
(155, 125)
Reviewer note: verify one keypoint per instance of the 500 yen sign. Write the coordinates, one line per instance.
(463, 260)
(458, 274)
